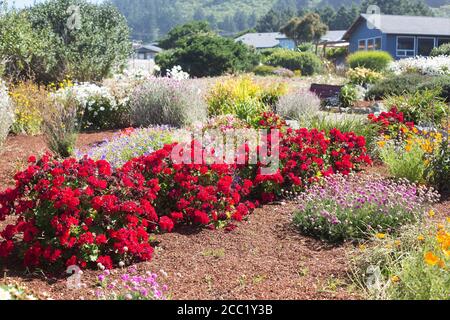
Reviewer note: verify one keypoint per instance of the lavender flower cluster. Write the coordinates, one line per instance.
(353, 207)
(126, 146)
(131, 286)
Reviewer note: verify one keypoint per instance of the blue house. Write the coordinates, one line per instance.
(266, 40)
(401, 36)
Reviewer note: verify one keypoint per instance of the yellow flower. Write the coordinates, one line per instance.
(448, 219)
(395, 278)
(431, 213)
(408, 148)
(381, 144)
(421, 238)
(431, 259)
(380, 235)
(397, 242)
(362, 247)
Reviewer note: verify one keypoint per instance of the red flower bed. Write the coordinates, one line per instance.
(392, 122)
(84, 213)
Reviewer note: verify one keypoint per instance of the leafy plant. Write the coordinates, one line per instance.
(242, 97)
(354, 207)
(443, 50)
(422, 107)
(29, 100)
(363, 76)
(348, 95)
(307, 62)
(300, 105)
(165, 101)
(404, 161)
(410, 265)
(6, 112)
(438, 170)
(264, 70)
(374, 60)
(61, 125)
(396, 86)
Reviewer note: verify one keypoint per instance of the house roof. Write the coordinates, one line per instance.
(413, 25)
(262, 40)
(333, 36)
(149, 47)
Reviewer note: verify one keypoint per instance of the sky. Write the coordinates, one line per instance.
(26, 3)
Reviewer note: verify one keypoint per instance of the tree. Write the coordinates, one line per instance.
(399, 7)
(209, 55)
(85, 43)
(180, 33)
(344, 18)
(273, 20)
(307, 29)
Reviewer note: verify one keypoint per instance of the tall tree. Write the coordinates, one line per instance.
(307, 29)
(400, 7)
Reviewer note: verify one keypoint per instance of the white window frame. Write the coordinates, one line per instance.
(366, 44)
(414, 50)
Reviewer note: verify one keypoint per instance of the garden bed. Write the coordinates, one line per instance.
(264, 258)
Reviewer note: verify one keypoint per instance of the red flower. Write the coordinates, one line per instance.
(166, 224)
(106, 262)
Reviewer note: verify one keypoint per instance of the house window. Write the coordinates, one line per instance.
(377, 43)
(424, 46)
(441, 41)
(406, 47)
(370, 44)
(362, 45)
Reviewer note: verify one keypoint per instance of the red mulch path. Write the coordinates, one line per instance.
(263, 258)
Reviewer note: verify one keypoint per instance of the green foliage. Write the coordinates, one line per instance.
(308, 63)
(441, 82)
(421, 107)
(399, 7)
(404, 162)
(401, 265)
(61, 125)
(164, 101)
(375, 60)
(209, 55)
(438, 170)
(335, 53)
(363, 76)
(443, 50)
(396, 85)
(54, 44)
(243, 98)
(182, 33)
(264, 70)
(306, 29)
(348, 95)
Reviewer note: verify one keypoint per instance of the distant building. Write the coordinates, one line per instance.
(267, 40)
(334, 38)
(401, 36)
(146, 52)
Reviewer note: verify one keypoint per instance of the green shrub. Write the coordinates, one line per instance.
(61, 124)
(443, 50)
(264, 70)
(441, 82)
(298, 105)
(348, 95)
(164, 101)
(363, 76)
(336, 53)
(242, 97)
(307, 62)
(375, 60)
(404, 162)
(411, 265)
(203, 55)
(438, 170)
(396, 85)
(421, 107)
(6, 112)
(351, 208)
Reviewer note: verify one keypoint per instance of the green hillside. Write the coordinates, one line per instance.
(152, 19)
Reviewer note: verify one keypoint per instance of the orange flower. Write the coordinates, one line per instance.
(431, 259)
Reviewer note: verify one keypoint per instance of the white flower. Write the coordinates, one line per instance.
(4, 294)
(121, 264)
(433, 66)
